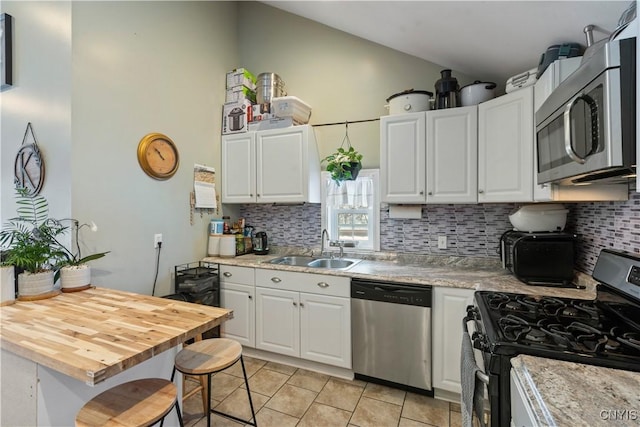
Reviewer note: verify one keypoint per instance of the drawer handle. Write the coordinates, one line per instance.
(323, 284)
(276, 280)
(227, 274)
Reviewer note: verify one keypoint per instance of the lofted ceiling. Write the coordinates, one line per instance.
(488, 40)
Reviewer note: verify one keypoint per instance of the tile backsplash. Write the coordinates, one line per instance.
(471, 230)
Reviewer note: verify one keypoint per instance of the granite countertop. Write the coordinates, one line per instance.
(571, 394)
(482, 274)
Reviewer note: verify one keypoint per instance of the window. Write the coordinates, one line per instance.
(350, 211)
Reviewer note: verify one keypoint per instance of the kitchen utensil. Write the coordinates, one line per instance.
(268, 86)
(521, 80)
(477, 92)
(409, 101)
(539, 218)
(261, 243)
(446, 91)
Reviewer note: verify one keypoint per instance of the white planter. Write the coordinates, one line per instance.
(75, 276)
(30, 284)
(7, 284)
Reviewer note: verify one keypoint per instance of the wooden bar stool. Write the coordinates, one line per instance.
(136, 403)
(207, 357)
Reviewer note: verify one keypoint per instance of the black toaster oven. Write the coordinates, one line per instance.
(538, 258)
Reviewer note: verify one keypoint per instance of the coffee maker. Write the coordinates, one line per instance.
(447, 91)
(260, 243)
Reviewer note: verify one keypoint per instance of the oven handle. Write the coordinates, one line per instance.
(481, 375)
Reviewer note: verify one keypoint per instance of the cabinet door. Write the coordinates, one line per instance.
(505, 148)
(278, 321)
(449, 308)
(325, 329)
(238, 168)
(282, 165)
(452, 155)
(240, 299)
(402, 158)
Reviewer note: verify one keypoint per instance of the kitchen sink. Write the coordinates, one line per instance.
(308, 261)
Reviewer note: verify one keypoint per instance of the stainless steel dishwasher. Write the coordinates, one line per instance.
(391, 333)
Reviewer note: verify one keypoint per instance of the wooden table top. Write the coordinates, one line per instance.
(97, 333)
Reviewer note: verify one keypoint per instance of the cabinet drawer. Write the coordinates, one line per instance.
(233, 274)
(304, 282)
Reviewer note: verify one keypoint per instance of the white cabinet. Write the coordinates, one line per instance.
(304, 315)
(237, 292)
(402, 158)
(505, 148)
(273, 166)
(429, 157)
(449, 308)
(452, 155)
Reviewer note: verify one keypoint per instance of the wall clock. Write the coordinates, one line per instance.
(158, 156)
(29, 165)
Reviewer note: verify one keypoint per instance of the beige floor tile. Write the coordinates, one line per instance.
(340, 394)
(292, 400)
(426, 410)
(267, 382)
(325, 416)
(280, 367)
(384, 393)
(309, 380)
(269, 418)
(375, 413)
(455, 419)
(237, 404)
(250, 364)
(406, 422)
(223, 384)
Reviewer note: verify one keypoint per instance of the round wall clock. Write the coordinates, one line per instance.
(28, 168)
(158, 156)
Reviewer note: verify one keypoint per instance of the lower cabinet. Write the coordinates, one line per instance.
(304, 315)
(449, 308)
(237, 292)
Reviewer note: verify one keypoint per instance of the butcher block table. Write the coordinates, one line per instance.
(90, 337)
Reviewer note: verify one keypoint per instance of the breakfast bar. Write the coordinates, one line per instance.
(58, 353)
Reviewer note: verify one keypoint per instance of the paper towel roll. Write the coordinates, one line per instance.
(7, 284)
(214, 245)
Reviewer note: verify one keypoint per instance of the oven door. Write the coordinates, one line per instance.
(473, 377)
(584, 135)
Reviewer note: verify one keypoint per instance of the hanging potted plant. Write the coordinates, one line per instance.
(75, 273)
(30, 242)
(345, 163)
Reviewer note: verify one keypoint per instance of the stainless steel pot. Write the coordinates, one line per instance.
(477, 92)
(268, 86)
(409, 101)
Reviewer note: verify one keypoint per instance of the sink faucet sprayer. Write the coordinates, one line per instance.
(324, 233)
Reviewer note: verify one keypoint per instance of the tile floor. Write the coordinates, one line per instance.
(286, 396)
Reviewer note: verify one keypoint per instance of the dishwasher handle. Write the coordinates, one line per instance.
(392, 293)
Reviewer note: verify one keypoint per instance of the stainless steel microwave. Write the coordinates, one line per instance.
(586, 129)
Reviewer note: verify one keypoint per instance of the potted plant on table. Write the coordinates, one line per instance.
(31, 245)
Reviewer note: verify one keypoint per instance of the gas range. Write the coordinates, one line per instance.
(603, 332)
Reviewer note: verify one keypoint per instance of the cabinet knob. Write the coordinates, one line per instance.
(480, 191)
(250, 297)
(227, 274)
(302, 304)
(421, 193)
(295, 304)
(250, 195)
(276, 280)
(430, 193)
(257, 195)
(323, 284)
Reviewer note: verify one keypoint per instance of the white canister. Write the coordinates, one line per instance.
(227, 245)
(7, 284)
(214, 245)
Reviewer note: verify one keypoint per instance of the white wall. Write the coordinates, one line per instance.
(141, 67)
(341, 76)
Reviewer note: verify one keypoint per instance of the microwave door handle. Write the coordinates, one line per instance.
(568, 146)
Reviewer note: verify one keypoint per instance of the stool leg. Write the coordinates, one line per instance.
(179, 413)
(246, 383)
(208, 406)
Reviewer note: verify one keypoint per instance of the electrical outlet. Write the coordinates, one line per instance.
(442, 242)
(157, 238)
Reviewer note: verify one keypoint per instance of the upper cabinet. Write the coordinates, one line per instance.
(273, 166)
(429, 157)
(505, 148)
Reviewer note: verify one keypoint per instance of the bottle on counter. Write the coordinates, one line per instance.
(226, 226)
